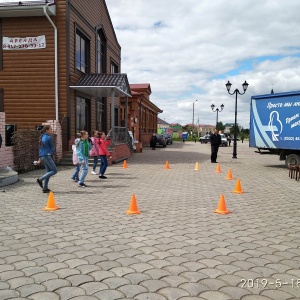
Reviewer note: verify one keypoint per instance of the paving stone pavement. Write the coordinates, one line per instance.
(177, 248)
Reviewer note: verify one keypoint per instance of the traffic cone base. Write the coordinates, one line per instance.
(133, 208)
(218, 169)
(197, 167)
(238, 187)
(124, 164)
(229, 175)
(51, 203)
(222, 206)
(167, 167)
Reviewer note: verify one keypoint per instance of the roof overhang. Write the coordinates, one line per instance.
(103, 85)
(100, 91)
(31, 9)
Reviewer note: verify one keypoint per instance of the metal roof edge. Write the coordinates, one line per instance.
(264, 96)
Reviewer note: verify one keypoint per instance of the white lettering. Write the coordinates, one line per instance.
(288, 120)
(274, 105)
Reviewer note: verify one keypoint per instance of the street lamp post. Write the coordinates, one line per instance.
(236, 91)
(217, 110)
(193, 113)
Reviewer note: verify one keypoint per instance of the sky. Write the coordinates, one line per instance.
(188, 50)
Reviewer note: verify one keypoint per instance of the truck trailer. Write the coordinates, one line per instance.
(275, 125)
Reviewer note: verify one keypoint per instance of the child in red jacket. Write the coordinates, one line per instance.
(103, 153)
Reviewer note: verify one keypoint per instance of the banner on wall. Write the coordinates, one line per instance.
(26, 43)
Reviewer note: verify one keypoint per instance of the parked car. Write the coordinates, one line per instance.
(161, 140)
(224, 141)
(168, 138)
(204, 139)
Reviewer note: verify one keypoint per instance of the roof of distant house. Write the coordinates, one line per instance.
(160, 121)
(141, 86)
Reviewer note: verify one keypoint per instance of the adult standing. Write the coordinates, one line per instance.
(215, 142)
(46, 151)
(153, 141)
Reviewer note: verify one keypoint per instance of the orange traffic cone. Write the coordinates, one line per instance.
(218, 169)
(124, 164)
(167, 167)
(222, 206)
(133, 209)
(238, 187)
(229, 175)
(51, 203)
(197, 167)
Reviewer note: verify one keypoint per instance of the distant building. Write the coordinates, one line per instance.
(205, 129)
(176, 130)
(163, 126)
(142, 113)
(230, 125)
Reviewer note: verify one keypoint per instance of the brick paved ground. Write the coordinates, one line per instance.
(177, 248)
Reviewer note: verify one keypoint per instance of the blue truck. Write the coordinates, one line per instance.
(275, 125)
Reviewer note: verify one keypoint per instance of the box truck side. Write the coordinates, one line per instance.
(275, 125)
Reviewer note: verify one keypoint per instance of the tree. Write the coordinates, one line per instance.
(220, 126)
(232, 130)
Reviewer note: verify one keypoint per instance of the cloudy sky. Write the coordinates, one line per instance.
(189, 49)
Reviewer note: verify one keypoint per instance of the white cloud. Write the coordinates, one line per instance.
(187, 50)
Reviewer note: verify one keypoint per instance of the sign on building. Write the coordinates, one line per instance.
(26, 43)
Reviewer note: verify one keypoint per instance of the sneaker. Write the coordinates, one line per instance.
(102, 177)
(40, 183)
(81, 185)
(74, 179)
(94, 173)
(46, 191)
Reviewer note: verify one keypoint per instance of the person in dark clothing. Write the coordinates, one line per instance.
(153, 141)
(215, 142)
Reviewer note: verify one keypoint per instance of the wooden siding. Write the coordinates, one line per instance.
(28, 77)
(87, 16)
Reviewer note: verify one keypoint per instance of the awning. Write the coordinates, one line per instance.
(102, 85)
(26, 8)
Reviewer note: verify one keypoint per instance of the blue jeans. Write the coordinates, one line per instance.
(75, 176)
(95, 162)
(84, 170)
(50, 169)
(104, 164)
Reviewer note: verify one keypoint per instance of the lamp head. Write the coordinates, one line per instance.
(222, 106)
(228, 86)
(212, 107)
(245, 86)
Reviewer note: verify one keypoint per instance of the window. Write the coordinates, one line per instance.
(114, 68)
(101, 52)
(1, 101)
(82, 52)
(1, 63)
(116, 116)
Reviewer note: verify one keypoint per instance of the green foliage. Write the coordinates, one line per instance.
(220, 126)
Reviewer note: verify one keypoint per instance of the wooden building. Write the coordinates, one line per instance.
(60, 60)
(142, 113)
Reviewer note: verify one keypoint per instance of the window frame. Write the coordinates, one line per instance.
(101, 53)
(83, 37)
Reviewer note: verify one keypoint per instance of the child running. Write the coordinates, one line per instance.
(46, 151)
(94, 151)
(82, 150)
(103, 152)
(75, 176)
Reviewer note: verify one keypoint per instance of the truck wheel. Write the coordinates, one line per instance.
(292, 159)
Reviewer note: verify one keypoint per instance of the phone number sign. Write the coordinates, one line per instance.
(26, 43)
